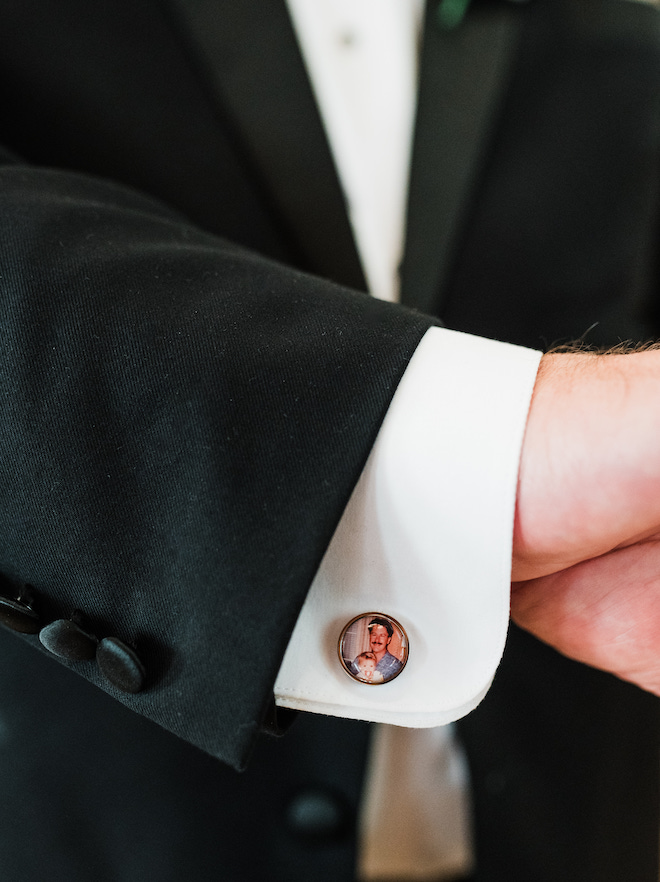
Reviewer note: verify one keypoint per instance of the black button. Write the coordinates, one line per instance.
(67, 640)
(317, 814)
(18, 616)
(120, 665)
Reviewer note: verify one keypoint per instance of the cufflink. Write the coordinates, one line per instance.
(373, 648)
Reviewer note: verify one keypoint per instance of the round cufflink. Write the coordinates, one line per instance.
(373, 648)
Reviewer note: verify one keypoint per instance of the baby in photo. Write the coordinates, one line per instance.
(366, 665)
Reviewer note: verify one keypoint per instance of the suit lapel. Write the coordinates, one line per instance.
(248, 56)
(462, 78)
(247, 53)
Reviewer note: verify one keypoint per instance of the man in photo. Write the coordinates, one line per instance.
(380, 637)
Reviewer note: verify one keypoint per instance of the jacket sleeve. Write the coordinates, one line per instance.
(182, 425)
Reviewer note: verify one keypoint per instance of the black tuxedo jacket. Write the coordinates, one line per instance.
(191, 382)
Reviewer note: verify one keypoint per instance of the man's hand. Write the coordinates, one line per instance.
(605, 612)
(586, 557)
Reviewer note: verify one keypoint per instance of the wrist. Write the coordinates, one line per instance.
(589, 474)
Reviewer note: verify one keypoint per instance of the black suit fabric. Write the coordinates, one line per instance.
(182, 508)
(186, 410)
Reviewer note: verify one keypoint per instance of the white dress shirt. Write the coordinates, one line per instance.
(426, 536)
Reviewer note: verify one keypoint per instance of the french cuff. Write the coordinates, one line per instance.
(426, 539)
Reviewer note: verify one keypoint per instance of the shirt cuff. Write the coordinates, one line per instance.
(426, 538)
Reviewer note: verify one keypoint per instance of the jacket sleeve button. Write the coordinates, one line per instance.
(120, 665)
(317, 814)
(19, 616)
(67, 640)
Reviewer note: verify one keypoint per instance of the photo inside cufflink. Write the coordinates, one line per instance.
(373, 648)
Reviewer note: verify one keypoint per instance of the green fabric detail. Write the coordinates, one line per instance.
(450, 13)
